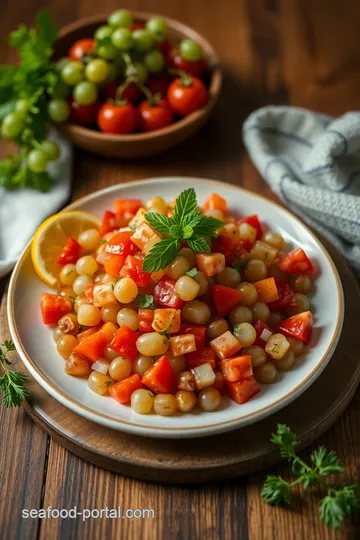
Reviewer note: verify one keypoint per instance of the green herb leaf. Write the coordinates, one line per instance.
(159, 222)
(276, 491)
(192, 273)
(338, 504)
(145, 301)
(48, 30)
(208, 226)
(285, 439)
(161, 254)
(192, 219)
(199, 244)
(326, 462)
(242, 265)
(132, 227)
(12, 382)
(185, 204)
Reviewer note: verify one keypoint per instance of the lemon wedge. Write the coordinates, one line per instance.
(50, 238)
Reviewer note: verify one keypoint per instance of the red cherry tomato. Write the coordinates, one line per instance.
(118, 119)
(164, 47)
(187, 95)
(80, 48)
(158, 83)
(136, 26)
(198, 68)
(152, 117)
(84, 115)
(132, 93)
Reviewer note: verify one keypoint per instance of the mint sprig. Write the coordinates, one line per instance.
(186, 223)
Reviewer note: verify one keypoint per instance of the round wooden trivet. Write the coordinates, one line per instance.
(218, 457)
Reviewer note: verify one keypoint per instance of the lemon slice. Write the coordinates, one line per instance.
(50, 238)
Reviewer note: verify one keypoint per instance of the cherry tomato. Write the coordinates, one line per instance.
(84, 115)
(80, 48)
(152, 117)
(198, 68)
(132, 93)
(118, 119)
(136, 26)
(186, 95)
(164, 47)
(158, 83)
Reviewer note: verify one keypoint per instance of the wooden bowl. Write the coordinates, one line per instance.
(139, 144)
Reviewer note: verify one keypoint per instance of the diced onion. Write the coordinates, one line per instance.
(101, 365)
(265, 334)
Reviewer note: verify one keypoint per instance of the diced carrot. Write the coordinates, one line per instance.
(167, 319)
(237, 368)
(89, 332)
(121, 391)
(93, 347)
(113, 263)
(127, 206)
(215, 202)
(124, 342)
(110, 329)
(161, 378)
(267, 290)
(242, 391)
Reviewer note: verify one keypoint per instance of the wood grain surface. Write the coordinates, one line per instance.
(262, 44)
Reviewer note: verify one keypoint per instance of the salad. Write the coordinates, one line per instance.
(168, 306)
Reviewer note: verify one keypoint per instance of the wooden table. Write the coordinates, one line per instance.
(266, 59)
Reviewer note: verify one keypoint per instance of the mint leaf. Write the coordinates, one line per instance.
(187, 232)
(159, 222)
(199, 244)
(192, 272)
(161, 254)
(145, 301)
(192, 218)
(185, 203)
(208, 226)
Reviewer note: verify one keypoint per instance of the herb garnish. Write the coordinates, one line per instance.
(12, 382)
(186, 223)
(339, 501)
(145, 301)
(192, 273)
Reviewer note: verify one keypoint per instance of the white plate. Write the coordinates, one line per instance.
(36, 347)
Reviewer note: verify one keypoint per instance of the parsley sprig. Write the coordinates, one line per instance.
(12, 382)
(339, 501)
(186, 223)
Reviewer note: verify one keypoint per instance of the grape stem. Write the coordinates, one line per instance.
(153, 99)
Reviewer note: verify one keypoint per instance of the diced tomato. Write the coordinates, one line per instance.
(242, 391)
(260, 326)
(89, 332)
(121, 391)
(296, 262)
(93, 347)
(237, 368)
(206, 356)
(89, 293)
(133, 268)
(219, 383)
(286, 297)
(225, 298)
(124, 342)
(161, 378)
(108, 223)
(53, 307)
(71, 252)
(165, 295)
(146, 317)
(121, 244)
(299, 326)
(253, 220)
(232, 248)
(215, 202)
(199, 332)
(113, 264)
(127, 206)
(267, 290)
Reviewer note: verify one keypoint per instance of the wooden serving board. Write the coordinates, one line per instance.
(217, 457)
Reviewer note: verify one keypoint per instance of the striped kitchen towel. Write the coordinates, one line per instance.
(312, 162)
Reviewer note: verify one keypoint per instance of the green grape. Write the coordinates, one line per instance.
(37, 161)
(85, 93)
(154, 61)
(61, 90)
(22, 106)
(73, 73)
(51, 149)
(157, 26)
(122, 39)
(97, 70)
(12, 124)
(190, 50)
(143, 40)
(103, 32)
(58, 110)
(60, 64)
(141, 73)
(121, 18)
(108, 52)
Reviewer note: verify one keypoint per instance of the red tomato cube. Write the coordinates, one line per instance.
(165, 295)
(53, 307)
(133, 268)
(237, 368)
(161, 378)
(225, 298)
(299, 326)
(71, 252)
(242, 391)
(121, 391)
(196, 358)
(124, 342)
(296, 262)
